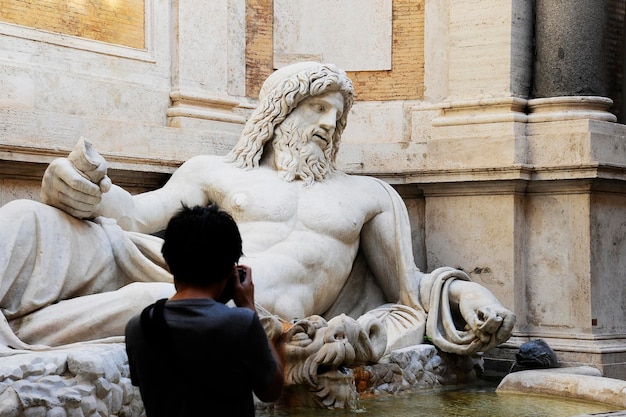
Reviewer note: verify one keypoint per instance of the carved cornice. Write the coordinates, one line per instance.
(204, 106)
(512, 180)
(514, 109)
(492, 110)
(29, 163)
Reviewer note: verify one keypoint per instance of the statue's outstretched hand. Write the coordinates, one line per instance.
(75, 184)
(486, 318)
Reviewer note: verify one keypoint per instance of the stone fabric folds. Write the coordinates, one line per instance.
(47, 256)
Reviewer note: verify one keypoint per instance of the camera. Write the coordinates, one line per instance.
(242, 274)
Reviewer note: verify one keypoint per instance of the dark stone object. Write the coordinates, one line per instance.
(536, 354)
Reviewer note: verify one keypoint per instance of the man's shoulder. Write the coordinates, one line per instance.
(196, 308)
(133, 332)
(134, 323)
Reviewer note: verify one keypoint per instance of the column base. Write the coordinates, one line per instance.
(569, 108)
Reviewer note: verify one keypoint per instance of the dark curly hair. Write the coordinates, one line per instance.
(201, 245)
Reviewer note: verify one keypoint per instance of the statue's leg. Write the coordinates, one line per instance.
(90, 317)
(47, 256)
(64, 280)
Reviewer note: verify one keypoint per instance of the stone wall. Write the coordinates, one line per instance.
(121, 23)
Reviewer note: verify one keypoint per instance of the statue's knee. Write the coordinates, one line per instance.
(148, 292)
(29, 211)
(20, 208)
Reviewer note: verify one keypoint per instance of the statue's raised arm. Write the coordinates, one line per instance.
(79, 186)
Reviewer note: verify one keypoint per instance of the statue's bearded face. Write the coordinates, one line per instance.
(303, 141)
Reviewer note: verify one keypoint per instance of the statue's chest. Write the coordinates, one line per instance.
(317, 208)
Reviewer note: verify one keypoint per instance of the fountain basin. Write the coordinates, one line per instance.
(583, 383)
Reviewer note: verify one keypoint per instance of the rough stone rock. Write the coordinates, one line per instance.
(86, 380)
(94, 380)
(416, 367)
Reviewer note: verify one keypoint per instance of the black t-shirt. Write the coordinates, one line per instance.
(207, 363)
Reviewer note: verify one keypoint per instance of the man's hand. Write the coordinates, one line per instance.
(243, 291)
(75, 184)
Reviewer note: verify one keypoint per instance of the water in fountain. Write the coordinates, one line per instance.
(476, 401)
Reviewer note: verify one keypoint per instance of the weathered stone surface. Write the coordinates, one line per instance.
(75, 382)
(72, 391)
(416, 367)
(567, 382)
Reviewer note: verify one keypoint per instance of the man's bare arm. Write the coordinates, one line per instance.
(244, 297)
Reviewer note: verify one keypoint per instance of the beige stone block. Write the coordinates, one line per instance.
(558, 261)
(608, 263)
(476, 233)
(415, 205)
(201, 57)
(479, 58)
(574, 268)
(305, 30)
(421, 118)
(576, 142)
(477, 145)
(13, 189)
(17, 89)
(376, 122)
(390, 160)
(350, 157)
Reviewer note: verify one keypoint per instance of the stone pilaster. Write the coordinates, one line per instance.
(205, 49)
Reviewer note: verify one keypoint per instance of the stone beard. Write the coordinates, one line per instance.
(298, 155)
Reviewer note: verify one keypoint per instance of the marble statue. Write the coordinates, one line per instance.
(321, 243)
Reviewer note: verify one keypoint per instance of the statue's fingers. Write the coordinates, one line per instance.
(105, 184)
(492, 324)
(82, 185)
(504, 332)
(79, 214)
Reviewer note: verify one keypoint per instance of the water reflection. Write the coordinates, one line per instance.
(479, 401)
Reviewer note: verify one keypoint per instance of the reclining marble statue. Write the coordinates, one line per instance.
(321, 243)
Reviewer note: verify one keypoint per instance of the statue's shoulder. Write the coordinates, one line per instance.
(205, 159)
(205, 163)
(365, 181)
(379, 193)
